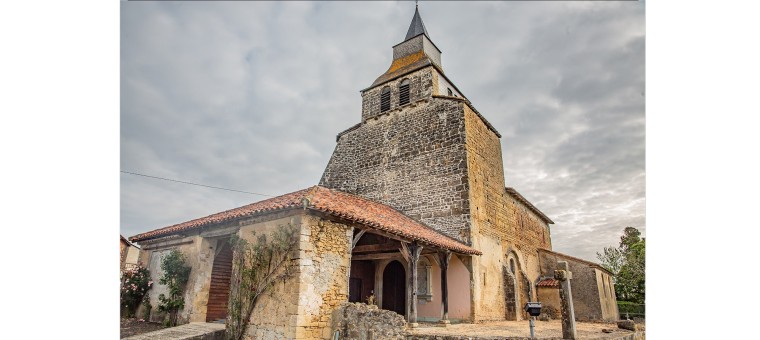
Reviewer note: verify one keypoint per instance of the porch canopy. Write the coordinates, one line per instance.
(362, 214)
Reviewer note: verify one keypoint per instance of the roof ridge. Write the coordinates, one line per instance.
(594, 264)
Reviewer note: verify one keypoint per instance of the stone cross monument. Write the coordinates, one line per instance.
(563, 275)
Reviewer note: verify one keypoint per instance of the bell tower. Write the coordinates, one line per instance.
(415, 53)
(411, 150)
(422, 148)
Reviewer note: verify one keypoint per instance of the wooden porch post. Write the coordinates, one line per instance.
(413, 252)
(443, 260)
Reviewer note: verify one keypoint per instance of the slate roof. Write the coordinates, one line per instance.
(332, 202)
(417, 27)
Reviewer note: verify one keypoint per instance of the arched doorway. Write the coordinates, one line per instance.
(394, 288)
(219, 291)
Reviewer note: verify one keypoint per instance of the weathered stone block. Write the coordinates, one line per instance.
(627, 324)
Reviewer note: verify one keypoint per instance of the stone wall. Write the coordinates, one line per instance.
(299, 308)
(421, 85)
(325, 259)
(606, 291)
(489, 217)
(549, 296)
(271, 319)
(359, 321)
(413, 160)
(199, 254)
(587, 300)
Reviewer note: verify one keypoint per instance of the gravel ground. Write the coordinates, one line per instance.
(130, 327)
(543, 329)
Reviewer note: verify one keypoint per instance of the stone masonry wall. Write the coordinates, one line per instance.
(325, 259)
(500, 225)
(413, 160)
(420, 87)
(301, 307)
(586, 300)
(489, 218)
(525, 229)
(271, 319)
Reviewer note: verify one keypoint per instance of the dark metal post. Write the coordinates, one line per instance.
(532, 335)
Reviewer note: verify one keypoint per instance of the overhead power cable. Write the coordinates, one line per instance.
(196, 184)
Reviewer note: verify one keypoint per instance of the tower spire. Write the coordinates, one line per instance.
(417, 27)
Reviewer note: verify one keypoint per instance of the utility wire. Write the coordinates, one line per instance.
(200, 185)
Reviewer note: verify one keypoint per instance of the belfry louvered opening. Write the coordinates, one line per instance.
(385, 99)
(403, 92)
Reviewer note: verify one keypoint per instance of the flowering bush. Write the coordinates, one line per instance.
(135, 282)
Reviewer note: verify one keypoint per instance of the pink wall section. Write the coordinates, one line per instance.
(459, 293)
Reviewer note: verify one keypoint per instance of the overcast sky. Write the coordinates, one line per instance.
(250, 96)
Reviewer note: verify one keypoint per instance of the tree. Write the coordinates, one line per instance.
(257, 266)
(175, 276)
(632, 278)
(631, 236)
(627, 264)
(612, 259)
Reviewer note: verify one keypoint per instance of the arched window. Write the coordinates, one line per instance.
(385, 99)
(449, 91)
(403, 92)
(512, 266)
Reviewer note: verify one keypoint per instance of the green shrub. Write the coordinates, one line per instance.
(175, 277)
(147, 307)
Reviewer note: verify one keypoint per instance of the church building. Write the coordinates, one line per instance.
(412, 212)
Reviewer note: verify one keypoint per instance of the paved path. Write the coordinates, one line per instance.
(518, 329)
(194, 331)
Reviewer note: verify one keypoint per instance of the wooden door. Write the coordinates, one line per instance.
(394, 288)
(354, 290)
(219, 292)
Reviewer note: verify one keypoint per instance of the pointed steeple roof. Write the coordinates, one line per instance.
(417, 27)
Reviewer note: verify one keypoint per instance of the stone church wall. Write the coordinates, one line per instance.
(489, 217)
(588, 300)
(421, 86)
(413, 160)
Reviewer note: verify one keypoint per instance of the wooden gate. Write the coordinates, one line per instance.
(219, 292)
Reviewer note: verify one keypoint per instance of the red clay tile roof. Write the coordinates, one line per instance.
(551, 283)
(333, 202)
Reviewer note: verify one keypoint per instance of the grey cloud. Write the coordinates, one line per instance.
(250, 96)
